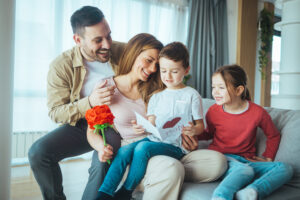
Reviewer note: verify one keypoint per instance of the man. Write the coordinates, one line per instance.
(71, 77)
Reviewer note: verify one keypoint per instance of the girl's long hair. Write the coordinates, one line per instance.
(234, 76)
(133, 49)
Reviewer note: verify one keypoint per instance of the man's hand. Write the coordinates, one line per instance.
(138, 129)
(189, 142)
(259, 159)
(105, 153)
(101, 94)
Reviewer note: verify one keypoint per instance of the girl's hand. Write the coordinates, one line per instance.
(189, 130)
(189, 143)
(259, 159)
(138, 129)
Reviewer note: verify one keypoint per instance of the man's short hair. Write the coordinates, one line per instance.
(85, 16)
(176, 51)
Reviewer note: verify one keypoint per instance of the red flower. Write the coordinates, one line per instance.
(99, 115)
(99, 118)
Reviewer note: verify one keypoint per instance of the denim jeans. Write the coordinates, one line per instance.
(136, 154)
(264, 177)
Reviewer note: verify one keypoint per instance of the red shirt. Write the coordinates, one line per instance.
(236, 133)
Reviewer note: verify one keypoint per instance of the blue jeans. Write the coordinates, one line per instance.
(264, 177)
(136, 154)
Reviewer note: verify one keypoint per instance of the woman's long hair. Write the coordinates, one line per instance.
(133, 49)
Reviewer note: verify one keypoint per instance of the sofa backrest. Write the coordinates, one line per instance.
(288, 123)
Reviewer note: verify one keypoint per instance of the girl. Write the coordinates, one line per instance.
(232, 123)
(175, 101)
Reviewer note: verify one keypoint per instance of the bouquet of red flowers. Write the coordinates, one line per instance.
(99, 118)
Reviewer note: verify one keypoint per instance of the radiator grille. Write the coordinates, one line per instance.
(22, 141)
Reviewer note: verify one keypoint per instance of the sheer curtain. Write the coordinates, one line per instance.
(43, 31)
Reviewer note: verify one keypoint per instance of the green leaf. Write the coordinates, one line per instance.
(266, 36)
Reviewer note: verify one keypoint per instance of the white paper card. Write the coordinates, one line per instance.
(168, 131)
(147, 125)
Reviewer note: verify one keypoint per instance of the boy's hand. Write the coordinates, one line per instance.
(105, 153)
(259, 159)
(138, 129)
(189, 130)
(189, 143)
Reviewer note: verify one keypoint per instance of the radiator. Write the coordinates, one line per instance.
(22, 141)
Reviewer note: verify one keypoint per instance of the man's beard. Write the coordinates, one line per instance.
(103, 55)
(97, 56)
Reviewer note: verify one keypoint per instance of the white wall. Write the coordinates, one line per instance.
(7, 11)
(289, 72)
(232, 18)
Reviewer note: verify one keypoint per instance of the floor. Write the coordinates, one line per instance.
(75, 174)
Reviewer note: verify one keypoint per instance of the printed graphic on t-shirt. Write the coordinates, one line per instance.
(172, 123)
(169, 130)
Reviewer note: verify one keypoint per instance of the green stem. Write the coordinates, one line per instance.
(104, 140)
(103, 136)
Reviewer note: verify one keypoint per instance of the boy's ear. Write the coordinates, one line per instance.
(239, 90)
(187, 70)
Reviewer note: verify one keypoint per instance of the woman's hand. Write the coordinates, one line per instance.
(138, 129)
(105, 153)
(259, 159)
(95, 140)
(189, 142)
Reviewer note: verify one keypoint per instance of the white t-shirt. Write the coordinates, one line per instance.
(169, 105)
(94, 71)
(124, 110)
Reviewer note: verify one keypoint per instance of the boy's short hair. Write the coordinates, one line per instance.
(176, 51)
(85, 16)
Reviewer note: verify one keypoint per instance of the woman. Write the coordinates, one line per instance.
(136, 79)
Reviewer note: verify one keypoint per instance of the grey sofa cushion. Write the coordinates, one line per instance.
(203, 191)
(288, 124)
(206, 104)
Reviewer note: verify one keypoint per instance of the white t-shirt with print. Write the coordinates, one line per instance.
(171, 107)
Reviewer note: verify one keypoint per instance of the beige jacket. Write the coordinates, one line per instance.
(65, 79)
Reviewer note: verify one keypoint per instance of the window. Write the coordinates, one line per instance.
(276, 47)
(43, 31)
(275, 64)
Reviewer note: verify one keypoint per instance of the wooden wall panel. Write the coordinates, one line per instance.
(265, 91)
(247, 36)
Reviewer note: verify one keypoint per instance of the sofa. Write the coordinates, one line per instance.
(288, 123)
